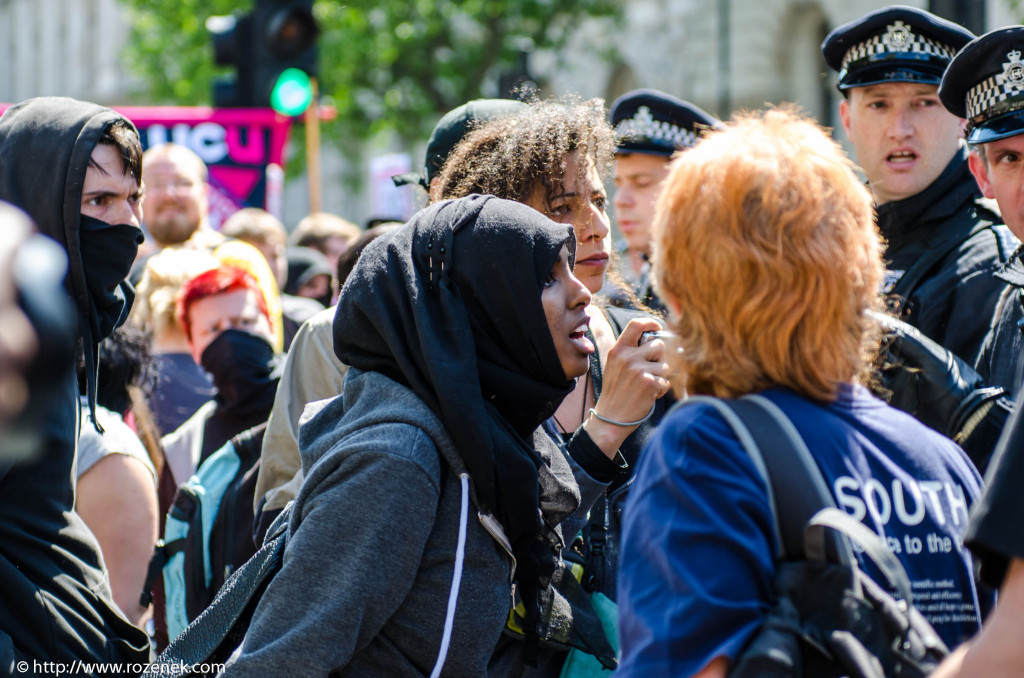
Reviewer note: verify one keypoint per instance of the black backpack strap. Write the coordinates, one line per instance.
(805, 510)
(214, 634)
(796, 489)
(249, 444)
(832, 520)
(162, 552)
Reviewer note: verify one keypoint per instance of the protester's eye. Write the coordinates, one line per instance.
(560, 209)
(600, 201)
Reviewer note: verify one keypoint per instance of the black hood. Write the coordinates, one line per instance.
(45, 146)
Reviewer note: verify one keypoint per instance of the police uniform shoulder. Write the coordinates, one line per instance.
(988, 209)
(1012, 272)
(649, 121)
(893, 44)
(985, 84)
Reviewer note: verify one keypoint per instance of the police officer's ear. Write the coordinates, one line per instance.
(844, 116)
(979, 168)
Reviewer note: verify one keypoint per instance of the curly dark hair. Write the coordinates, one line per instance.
(125, 362)
(514, 154)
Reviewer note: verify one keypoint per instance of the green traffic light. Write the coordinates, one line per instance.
(293, 92)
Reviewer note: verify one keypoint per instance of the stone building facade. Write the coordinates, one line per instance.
(63, 47)
(725, 55)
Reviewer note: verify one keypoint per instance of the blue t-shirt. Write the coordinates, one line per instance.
(696, 567)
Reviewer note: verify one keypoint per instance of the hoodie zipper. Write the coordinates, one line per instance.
(621, 488)
(494, 528)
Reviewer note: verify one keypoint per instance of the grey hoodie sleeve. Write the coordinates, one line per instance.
(360, 526)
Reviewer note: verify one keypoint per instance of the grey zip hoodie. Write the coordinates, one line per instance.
(364, 589)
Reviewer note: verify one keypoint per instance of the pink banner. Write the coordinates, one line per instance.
(236, 144)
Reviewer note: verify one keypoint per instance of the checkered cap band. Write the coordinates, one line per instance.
(918, 44)
(643, 126)
(988, 97)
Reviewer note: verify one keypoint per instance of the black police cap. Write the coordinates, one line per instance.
(649, 121)
(450, 130)
(893, 44)
(985, 84)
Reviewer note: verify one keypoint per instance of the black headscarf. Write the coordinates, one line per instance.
(450, 306)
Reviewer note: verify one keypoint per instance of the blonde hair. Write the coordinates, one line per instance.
(765, 244)
(164, 274)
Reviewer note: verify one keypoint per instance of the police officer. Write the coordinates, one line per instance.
(943, 243)
(985, 84)
(649, 127)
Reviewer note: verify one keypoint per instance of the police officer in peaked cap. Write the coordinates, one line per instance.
(650, 126)
(985, 85)
(943, 242)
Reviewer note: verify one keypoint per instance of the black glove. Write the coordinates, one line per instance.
(928, 381)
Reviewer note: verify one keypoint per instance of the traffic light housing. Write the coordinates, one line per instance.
(232, 37)
(273, 50)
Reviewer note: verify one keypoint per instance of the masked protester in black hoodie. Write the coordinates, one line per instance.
(74, 167)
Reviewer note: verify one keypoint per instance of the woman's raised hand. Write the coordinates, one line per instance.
(635, 376)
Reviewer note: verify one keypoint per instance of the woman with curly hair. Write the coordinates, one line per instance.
(552, 156)
(765, 249)
(429, 486)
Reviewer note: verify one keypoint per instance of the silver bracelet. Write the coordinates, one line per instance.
(624, 424)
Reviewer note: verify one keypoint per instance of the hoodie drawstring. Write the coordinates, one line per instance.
(453, 594)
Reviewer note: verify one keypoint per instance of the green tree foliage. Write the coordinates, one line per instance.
(384, 64)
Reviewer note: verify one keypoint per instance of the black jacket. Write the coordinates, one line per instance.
(55, 601)
(957, 241)
(1000, 359)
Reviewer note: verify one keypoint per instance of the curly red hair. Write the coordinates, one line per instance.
(766, 246)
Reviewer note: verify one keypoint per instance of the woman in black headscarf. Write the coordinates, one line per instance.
(464, 330)
(551, 155)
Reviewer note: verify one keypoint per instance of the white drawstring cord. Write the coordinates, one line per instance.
(453, 594)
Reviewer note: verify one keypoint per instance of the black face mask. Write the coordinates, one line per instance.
(326, 298)
(108, 252)
(241, 365)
